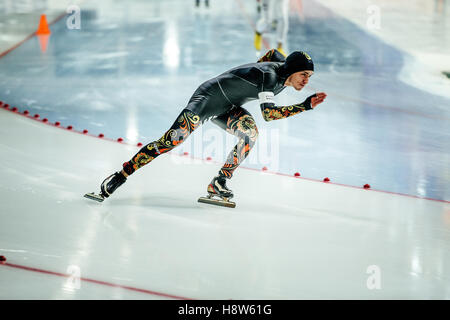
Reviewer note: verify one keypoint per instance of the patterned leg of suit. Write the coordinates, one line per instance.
(185, 124)
(240, 123)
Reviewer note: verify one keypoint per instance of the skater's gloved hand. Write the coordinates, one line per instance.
(312, 101)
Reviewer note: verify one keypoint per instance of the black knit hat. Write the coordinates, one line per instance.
(295, 62)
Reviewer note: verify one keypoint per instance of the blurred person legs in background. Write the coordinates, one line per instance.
(273, 15)
(197, 3)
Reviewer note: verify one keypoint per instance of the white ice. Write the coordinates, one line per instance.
(287, 238)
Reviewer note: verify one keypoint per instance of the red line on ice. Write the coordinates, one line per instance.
(104, 283)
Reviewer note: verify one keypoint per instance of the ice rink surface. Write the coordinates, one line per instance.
(130, 70)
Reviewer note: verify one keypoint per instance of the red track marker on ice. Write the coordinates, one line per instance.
(290, 175)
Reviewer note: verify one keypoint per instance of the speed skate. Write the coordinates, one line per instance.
(93, 196)
(108, 186)
(224, 202)
(217, 188)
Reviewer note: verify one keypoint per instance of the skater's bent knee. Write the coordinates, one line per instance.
(252, 132)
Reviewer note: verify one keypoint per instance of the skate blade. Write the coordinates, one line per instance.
(223, 203)
(95, 197)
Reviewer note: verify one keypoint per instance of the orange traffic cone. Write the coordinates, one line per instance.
(43, 33)
(43, 26)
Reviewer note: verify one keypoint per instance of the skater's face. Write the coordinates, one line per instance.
(299, 79)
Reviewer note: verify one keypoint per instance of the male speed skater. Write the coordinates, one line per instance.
(220, 100)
